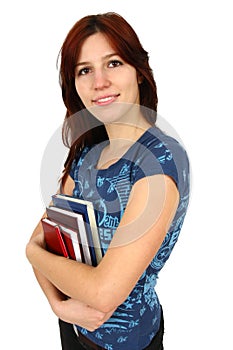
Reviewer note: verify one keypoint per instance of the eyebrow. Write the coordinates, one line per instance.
(103, 58)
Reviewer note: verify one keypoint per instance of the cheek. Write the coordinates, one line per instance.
(133, 88)
(77, 87)
(81, 91)
(132, 83)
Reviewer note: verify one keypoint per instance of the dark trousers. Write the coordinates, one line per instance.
(70, 341)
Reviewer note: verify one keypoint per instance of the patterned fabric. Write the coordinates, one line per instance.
(136, 321)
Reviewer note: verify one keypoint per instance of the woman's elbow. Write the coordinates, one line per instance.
(108, 299)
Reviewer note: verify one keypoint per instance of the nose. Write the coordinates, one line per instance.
(101, 79)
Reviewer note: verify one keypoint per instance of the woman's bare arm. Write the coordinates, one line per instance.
(148, 215)
(72, 311)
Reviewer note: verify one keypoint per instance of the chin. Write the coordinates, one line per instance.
(115, 112)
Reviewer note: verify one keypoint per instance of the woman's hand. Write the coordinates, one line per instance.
(76, 312)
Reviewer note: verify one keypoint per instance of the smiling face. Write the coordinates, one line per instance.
(103, 80)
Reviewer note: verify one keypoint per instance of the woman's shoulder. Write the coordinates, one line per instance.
(158, 142)
(164, 154)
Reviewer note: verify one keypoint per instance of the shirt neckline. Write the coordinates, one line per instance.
(124, 156)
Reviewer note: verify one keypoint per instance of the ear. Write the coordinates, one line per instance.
(140, 78)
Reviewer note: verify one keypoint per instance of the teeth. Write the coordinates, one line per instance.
(105, 99)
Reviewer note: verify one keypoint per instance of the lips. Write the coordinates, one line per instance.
(105, 100)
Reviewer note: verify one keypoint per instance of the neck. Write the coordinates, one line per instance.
(123, 132)
(127, 130)
(121, 137)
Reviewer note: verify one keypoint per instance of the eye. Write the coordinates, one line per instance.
(84, 71)
(115, 63)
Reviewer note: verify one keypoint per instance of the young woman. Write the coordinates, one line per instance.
(138, 180)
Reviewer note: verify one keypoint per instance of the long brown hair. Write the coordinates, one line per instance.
(86, 130)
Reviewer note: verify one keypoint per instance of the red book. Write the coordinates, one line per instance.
(71, 241)
(53, 238)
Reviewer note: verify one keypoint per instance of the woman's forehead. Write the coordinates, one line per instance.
(94, 47)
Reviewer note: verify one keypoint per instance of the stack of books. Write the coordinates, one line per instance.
(70, 229)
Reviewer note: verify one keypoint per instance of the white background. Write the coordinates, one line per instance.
(190, 46)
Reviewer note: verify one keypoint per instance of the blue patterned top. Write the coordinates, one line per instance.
(136, 321)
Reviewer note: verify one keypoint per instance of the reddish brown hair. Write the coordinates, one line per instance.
(126, 43)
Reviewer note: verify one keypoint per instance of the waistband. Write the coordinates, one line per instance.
(85, 342)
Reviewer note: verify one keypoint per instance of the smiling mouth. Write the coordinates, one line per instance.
(105, 100)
